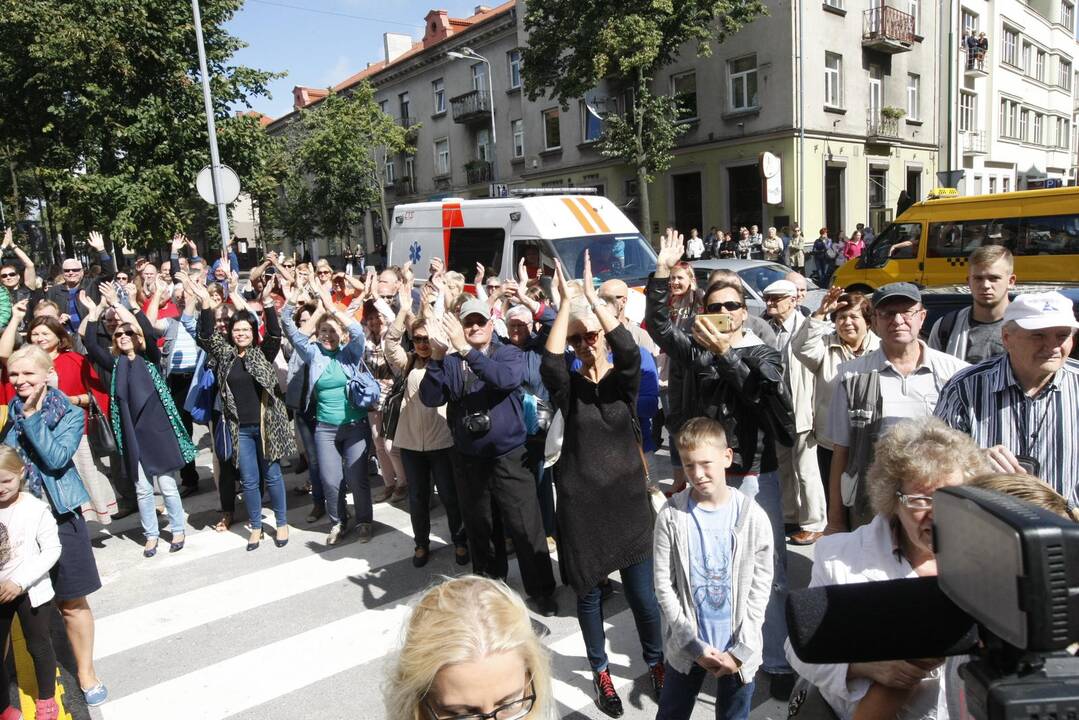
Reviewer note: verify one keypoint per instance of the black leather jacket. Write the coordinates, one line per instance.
(744, 389)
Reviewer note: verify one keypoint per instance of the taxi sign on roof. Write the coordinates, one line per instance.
(943, 192)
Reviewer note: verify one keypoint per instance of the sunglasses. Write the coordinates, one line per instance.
(729, 306)
(324, 272)
(420, 339)
(9, 275)
(578, 339)
(123, 333)
(289, 265)
(121, 278)
(72, 270)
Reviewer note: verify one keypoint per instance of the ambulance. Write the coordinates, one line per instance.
(538, 225)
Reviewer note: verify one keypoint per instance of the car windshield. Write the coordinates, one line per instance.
(759, 277)
(626, 257)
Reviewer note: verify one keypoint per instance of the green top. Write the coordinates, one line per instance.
(331, 397)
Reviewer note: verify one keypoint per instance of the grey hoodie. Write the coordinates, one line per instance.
(751, 583)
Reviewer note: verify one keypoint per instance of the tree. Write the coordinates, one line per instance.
(574, 46)
(103, 103)
(333, 176)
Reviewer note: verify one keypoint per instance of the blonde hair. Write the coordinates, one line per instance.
(10, 460)
(701, 432)
(32, 354)
(139, 340)
(464, 619)
(920, 449)
(1028, 489)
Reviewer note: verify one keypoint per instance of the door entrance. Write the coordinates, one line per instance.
(745, 196)
(688, 202)
(833, 200)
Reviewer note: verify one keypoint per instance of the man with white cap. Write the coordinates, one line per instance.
(804, 502)
(899, 380)
(1023, 406)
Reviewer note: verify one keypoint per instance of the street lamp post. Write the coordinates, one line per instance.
(469, 53)
(215, 159)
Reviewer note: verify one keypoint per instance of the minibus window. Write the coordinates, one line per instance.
(469, 246)
(1053, 235)
(962, 237)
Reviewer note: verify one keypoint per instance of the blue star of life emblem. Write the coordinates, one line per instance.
(414, 252)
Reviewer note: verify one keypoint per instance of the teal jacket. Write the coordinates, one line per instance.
(52, 451)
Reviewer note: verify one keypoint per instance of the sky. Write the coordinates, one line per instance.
(321, 42)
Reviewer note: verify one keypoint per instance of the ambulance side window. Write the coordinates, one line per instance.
(469, 246)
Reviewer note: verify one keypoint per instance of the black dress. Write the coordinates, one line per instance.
(604, 512)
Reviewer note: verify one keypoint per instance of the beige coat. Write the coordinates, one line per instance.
(801, 380)
(821, 351)
(420, 427)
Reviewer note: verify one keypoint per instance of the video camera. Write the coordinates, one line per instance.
(1007, 593)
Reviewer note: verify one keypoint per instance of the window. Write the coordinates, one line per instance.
(1064, 78)
(968, 111)
(469, 246)
(742, 89)
(1010, 46)
(483, 145)
(382, 106)
(479, 77)
(591, 122)
(1006, 184)
(517, 127)
(1067, 15)
(878, 187)
(405, 104)
(513, 57)
(959, 239)
(992, 184)
(1009, 115)
(1024, 124)
(1063, 132)
(1038, 119)
(912, 8)
(913, 85)
(833, 79)
(834, 3)
(1028, 61)
(438, 89)
(1054, 235)
(552, 131)
(684, 90)
(442, 157)
(970, 22)
(1039, 65)
(390, 171)
(410, 174)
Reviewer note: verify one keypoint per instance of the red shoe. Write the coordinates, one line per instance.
(11, 713)
(46, 709)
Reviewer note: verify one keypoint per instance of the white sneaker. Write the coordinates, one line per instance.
(335, 534)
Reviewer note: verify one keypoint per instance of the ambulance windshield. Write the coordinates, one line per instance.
(626, 257)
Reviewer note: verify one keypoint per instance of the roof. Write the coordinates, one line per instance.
(437, 30)
(264, 120)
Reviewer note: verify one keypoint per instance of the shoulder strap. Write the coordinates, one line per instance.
(944, 328)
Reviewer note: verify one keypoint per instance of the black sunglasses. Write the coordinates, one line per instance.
(729, 306)
(578, 338)
(9, 275)
(123, 333)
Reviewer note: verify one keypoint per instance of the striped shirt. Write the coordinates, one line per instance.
(986, 402)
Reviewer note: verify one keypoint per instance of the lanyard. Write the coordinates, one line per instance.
(1027, 441)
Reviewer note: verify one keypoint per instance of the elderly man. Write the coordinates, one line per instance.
(973, 333)
(1023, 406)
(802, 284)
(66, 294)
(901, 379)
(803, 492)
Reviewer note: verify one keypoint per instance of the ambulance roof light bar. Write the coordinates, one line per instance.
(532, 192)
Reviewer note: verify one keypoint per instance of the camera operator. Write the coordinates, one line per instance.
(912, 460)
(480, 376)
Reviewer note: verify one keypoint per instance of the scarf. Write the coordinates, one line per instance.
(187, 448)
(53, 407)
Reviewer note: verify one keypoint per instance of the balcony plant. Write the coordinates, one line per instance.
(892, 113)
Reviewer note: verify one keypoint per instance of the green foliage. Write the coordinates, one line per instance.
(104, 104)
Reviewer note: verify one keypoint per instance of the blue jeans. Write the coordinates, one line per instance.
(733, 699)
(144, 495)
(641, 596)
(342, 458)
(765, 488)
(253, 467)
(305, 430)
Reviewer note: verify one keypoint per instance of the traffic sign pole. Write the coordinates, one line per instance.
(215, 160)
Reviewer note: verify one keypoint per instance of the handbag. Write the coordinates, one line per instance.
(222, 439)
(391, 409)
(99, 430)
(202, 404)
(363, 390)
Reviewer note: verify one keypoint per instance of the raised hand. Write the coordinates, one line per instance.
(96, 241)
(830, 302)
(709, 338)
(9, 240)
(589, 286)
(480, 272)
(178, 241)
(84, 300)
(455, 333)
(522, 272)
(410, 275)
(561, 286)
(18, 310)
(672, 247)
(436, 267)
(33, 403)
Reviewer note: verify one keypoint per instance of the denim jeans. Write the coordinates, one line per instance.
(765, 488)
(342, 459)
(253, 467)
(641, 596)
(422, 469)
(144, 494)
(733, 699)
(305, 430)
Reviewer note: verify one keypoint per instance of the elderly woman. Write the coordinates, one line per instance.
(913, 460)
(822, 349)
(470, 651)
(772, 246)
(604, 512)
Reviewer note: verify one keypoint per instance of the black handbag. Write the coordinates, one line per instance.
(391, 409)
(99, 430)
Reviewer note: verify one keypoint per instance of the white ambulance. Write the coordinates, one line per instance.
(538, 225)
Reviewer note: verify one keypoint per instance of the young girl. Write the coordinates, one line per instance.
(29, 547)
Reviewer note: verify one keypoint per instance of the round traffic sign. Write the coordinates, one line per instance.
(230, 184)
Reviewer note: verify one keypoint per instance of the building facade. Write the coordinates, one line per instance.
(846, 97)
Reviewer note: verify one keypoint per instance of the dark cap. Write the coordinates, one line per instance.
(894, 290)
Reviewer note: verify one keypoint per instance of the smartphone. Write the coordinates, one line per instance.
(720, 322)
(1030, 464)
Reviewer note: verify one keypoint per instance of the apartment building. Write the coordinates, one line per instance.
(850, 107)
(1010, 117)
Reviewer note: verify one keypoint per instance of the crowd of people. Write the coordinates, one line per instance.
(528, 404)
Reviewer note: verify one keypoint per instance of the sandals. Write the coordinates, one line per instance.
(224, 523)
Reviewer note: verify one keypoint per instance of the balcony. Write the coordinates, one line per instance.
(404, 186)
(887, 30)
(972, 69)
(973, 142)
(478, 171)
(474, 106)
(406, 121)
(881, 129)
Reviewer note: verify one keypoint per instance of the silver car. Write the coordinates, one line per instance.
(756, 275)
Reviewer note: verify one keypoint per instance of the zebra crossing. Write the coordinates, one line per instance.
(215, 632)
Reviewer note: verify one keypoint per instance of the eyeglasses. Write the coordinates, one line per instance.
(72, 270)
(420, 340)
(579, 338)
(915, 502)
(907, 315)
(510, 711)
(729, 306)
(9, 275)
(775, 299)
(123, 333)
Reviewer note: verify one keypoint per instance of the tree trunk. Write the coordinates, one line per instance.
(646, 205)
(641, 160)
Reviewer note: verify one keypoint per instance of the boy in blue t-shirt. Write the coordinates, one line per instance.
(713, 576)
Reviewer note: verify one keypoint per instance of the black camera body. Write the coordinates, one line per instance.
(477, 424)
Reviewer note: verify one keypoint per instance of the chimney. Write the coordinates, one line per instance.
(395, 45)
(481, 9)
(437, 27)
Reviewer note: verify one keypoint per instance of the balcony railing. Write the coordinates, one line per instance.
(973, 68)
(881, 128)
(974, 142)
(478, 171)
(887, 29)
(404, 186)
(406, 121)
(472, 106)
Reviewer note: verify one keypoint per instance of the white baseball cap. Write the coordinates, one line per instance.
(1037, 311)
(781, 287)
